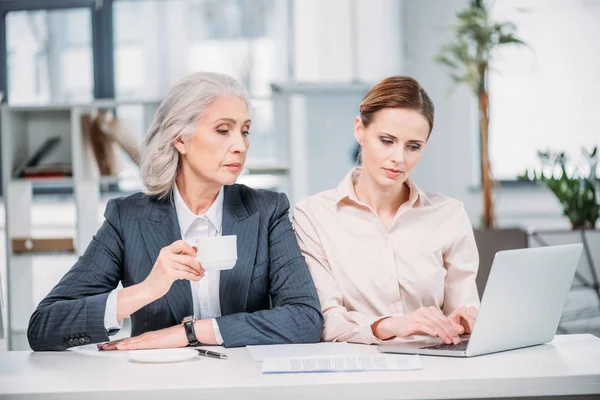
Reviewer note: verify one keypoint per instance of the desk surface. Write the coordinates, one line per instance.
(567, 366)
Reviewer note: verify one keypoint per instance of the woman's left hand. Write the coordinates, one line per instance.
(161, 339)
(465, 316)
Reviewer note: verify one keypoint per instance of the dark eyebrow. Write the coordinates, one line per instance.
(394, 137)
(231, 120)
(387, 134)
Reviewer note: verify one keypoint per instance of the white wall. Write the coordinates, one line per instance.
(346, 40)
(556, 79)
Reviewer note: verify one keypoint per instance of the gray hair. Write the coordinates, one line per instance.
(175, 118)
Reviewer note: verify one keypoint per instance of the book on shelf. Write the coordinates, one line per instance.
(48, 171)
(42, 152)
(42, 245)
(103, 136)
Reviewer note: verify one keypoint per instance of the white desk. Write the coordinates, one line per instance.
(570, 365)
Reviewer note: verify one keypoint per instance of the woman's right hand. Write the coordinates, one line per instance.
(174, 262)
(425, 321)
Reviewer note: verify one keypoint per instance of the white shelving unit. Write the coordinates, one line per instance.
(316, 121)
(23, 130)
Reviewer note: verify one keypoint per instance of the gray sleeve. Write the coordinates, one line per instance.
(73, 312)
(295, 316)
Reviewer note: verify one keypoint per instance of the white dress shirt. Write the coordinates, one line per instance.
(205, 293)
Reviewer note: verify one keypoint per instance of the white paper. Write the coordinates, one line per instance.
(260, 353)
(342, 364)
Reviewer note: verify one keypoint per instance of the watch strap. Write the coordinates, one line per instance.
(188, 324)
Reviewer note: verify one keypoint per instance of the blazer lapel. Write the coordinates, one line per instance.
(159, 230)
(235, 283)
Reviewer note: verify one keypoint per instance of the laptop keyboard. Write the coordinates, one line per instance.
(454, 347)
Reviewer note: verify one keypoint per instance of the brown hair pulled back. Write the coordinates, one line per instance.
(397, 92)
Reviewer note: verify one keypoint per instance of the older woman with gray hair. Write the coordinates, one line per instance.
(190, 160)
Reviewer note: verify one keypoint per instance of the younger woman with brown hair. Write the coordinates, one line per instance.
(389, 260)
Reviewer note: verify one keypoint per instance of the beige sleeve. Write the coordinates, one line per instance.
(461, 261)
(340, 325)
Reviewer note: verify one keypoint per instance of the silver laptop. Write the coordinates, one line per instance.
(521, 306)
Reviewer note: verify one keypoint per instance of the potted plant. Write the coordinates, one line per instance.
(469, 56)
(578, 192)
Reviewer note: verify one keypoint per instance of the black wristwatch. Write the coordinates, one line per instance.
(188, 324)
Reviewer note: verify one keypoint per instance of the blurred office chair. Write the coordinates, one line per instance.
(489, 242)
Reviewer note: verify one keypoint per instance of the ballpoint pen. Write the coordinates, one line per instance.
(212, 354)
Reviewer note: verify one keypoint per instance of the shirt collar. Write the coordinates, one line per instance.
(186, 217)
(345, 189)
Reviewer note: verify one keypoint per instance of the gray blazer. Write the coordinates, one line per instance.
(269, 268)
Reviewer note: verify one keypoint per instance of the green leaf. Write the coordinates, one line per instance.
(578, 195)
(475, 38)
(445, 60)
(509, 39)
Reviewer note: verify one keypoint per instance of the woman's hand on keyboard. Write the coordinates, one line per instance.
(465, 316)
(429, 321)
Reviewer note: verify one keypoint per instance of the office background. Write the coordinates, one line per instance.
(307, 64)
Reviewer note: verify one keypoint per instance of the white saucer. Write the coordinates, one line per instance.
(161, 355)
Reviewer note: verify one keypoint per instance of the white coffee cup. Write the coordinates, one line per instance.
(217, 252)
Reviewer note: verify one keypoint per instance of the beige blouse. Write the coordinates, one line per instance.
(364, 272)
